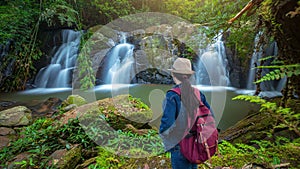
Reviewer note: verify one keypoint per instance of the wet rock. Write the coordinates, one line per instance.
(6, 104)
(48, 107)
(16, 116)
(153, 76)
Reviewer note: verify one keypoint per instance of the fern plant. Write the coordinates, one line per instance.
(280, 72)
(286, 117)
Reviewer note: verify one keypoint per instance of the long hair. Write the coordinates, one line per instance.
(188, 97)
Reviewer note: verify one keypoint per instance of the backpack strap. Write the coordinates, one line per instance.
(196, 91)
(176, 90)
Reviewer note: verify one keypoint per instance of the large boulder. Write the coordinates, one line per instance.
(16, 116)
(46, 108)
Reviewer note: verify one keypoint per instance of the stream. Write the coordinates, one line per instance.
(227, 111)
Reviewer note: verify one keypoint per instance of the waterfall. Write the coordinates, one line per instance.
(59, 72)
(257, 54)
(212, 66)
(120, 63)
(272, 50)
(6, 63)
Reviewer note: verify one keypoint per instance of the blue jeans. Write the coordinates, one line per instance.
(178, 161)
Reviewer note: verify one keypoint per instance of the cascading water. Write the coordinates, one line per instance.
(120, 63)
(258, 53)
(59, 72)
(211, 68)
(6, 68)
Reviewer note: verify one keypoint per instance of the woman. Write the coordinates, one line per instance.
(172, 129)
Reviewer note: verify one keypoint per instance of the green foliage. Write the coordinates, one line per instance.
(35, 140)
(127, 142)
(113, 9)
(107, 159)
(117, 152)
(16, 16)
(59, 10)
(137, 102)
(281, 71)
(212, 16)
(265, 11)
(41, 139)
(285, 116)
(85, 68)
(263, 152)
(252, 99)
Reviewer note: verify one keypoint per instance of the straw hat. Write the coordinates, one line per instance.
(182, 66)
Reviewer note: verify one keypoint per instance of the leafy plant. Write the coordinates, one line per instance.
(261, 152)
(281, 71)
(41, 139)
(107, 159)
(85, 68)
(113, 9)
(285, 116)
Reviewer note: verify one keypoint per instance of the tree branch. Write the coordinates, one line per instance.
(248, 7)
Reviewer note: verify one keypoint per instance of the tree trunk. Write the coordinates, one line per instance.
(287, 33)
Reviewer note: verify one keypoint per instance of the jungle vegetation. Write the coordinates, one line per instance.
(22, 21)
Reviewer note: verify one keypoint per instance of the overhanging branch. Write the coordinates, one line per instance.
(248, 7)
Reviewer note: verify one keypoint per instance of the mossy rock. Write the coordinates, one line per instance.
(16, 116)
(288, 153)
(149, 162)
(260, 126)
(252, 127)
(74, 99)
(120, 111)
(108, 159)
(71, 158)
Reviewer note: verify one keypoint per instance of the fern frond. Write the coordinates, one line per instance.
(287, 117)
(252, 99)
(293, 66)
(280, 72)
(266, 58)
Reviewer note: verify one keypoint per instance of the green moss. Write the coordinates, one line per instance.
(253, 127)
(124, 109)
(74, 99)
(71, 159)
(288, 153)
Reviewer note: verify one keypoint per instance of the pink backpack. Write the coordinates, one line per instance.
(201, 143)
